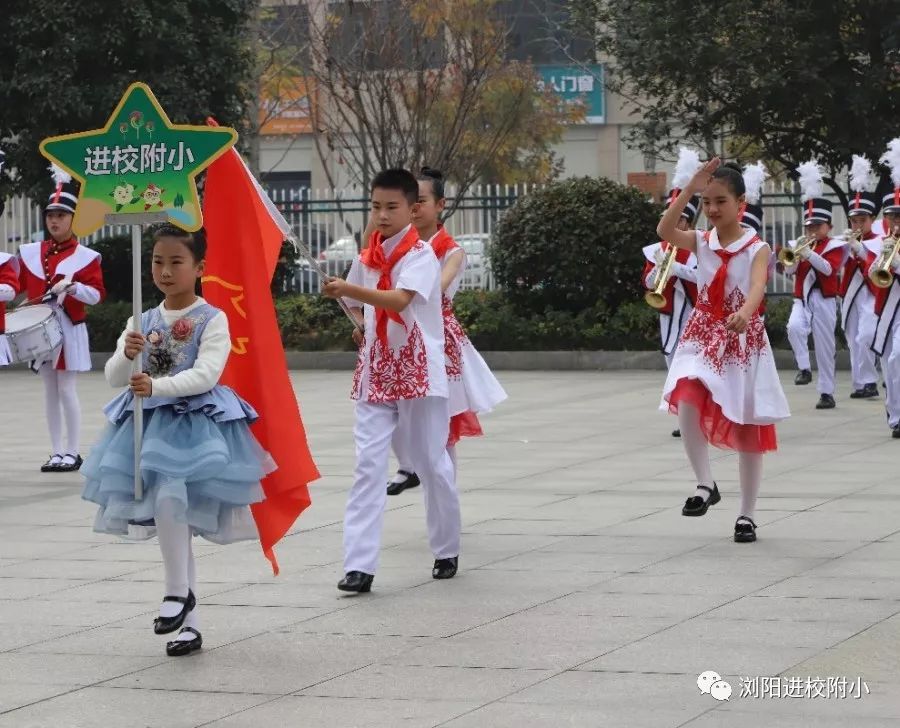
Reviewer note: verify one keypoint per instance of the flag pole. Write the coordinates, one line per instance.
(137, 309)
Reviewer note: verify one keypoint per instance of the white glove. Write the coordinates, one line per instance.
(857, 248)
(887, 247)
(61, 286)
(659, 255)
(804, 253)
(895, 263)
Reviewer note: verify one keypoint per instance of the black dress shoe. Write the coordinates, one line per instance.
(857, 394)
(744, 530)
(870, 391)
(50, 466)
(697, 506)
(356, 581)
(895, 432)
(804, 376)
(73, 466)
(411, 481)
(165, 625)
(826, 401)
(179, 648)
(445, 568)
(676, 433)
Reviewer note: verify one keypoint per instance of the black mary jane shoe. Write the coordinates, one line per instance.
(180, 648)
(804, 376)
(697, 506)
(826, 401)
(356, 581)
(445, 568)
(50, 466)
(676, 433)
(411, 481)
(65, 467)
(166, 625)
(744, 530)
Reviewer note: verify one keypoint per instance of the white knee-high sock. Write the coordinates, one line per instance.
(71, 410)
(451, 451)
(750, 467)
(695, 446)
(175, 545)
(192, 619)
(52, 408)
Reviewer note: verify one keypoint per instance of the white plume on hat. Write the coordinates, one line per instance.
(60, 176)
(862, 176)
(754, 177)
(686, 167)
(810, 178)
(892, 159)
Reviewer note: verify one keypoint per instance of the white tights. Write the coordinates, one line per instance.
(178, 560)
(697, 449)
(61, 403)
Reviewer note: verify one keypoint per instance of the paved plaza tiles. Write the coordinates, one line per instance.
(584, 598)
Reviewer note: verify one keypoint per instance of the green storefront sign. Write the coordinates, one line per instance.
(579, 85)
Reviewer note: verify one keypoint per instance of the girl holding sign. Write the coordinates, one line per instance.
(201, 465)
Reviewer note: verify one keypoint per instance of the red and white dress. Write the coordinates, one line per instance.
(730, 377)
(47, 263)
(9, 287)
(474, 389)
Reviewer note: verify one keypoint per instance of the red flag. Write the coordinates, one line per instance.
(243, 244)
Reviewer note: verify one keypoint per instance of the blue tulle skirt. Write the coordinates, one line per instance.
(210, 469)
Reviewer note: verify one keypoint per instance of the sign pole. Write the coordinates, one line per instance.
(137, 308)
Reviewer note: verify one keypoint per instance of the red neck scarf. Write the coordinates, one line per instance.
(442, 243)
(716, 290)
(374, 257)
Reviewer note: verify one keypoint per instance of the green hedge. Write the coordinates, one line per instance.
(493, 322)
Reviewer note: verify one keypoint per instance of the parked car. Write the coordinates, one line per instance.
(478, 262)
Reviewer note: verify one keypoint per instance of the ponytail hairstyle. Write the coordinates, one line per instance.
(732, 176)
(436, 177)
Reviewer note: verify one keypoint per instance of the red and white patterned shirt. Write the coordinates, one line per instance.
(411, 366)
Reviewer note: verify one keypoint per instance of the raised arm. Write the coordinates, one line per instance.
(668, 224)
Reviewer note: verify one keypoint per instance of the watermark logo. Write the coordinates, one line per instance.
(711, 683)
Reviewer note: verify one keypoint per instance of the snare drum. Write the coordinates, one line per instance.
(32, 332)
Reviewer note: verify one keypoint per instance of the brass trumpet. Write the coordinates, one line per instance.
(656, 296)
(788, 256)
(881, 273)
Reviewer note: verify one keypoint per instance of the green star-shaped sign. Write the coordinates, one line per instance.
(139, 162)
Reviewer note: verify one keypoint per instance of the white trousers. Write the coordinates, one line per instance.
(890, 367)
(819, 317)
(404, 456)
(859, 328)
(423, 425)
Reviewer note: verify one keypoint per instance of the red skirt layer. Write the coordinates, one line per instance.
(719, 430)
(465, 424)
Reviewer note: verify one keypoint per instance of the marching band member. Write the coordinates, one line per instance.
(814, 261)
(887, 331)
(857, 290)
(680, 291)
(64, 268)
(400, 382)
(9, 288)
(722, 383)
(751, 215)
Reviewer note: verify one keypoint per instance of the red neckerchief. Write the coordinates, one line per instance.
(442, 243)
(374, 257)
(716, 290)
